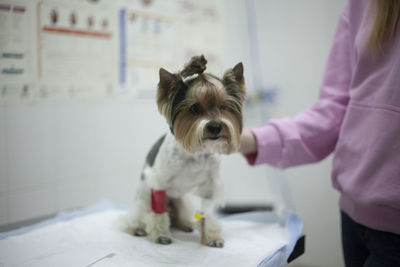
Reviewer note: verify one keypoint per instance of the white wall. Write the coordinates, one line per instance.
(58, 156)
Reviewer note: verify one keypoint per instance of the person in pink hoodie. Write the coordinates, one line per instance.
(357, 118)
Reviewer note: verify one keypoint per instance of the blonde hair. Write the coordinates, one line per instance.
(386, 18)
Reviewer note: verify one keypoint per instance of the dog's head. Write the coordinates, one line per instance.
(203, 111)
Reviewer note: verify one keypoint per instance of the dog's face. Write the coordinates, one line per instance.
(204, 112)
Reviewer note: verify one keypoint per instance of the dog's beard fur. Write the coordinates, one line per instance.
(196, 138)
(189, 106)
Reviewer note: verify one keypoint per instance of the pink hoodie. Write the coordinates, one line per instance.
(357, 116)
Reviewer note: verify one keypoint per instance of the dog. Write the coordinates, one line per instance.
(204, 114)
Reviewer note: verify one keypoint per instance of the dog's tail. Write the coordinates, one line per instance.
(196, 65)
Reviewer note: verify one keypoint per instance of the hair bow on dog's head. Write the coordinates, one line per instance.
(196, 66)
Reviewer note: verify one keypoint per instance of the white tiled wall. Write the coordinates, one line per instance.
(73, 193)
(60, 156)
(32, 203)
(3, 209)
(3, 164)
(3, 170)
(30, 150)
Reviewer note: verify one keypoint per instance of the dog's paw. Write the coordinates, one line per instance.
(163, 240)
(140, 232)
(219, 243)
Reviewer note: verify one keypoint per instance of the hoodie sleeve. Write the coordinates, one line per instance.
(311, 135)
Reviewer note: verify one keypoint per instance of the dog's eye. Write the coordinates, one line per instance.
(223, 107)
(195, 109)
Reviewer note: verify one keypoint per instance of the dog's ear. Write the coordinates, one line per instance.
(238, 72)
(166, 79)
(233, 80)
(167, 85)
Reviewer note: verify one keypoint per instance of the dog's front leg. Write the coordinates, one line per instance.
(211, 227)
(158, 221)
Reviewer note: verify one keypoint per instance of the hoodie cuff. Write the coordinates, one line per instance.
(269, 146)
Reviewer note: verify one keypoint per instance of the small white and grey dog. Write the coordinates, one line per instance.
(204, 113)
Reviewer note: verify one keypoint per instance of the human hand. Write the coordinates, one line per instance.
(248, 142)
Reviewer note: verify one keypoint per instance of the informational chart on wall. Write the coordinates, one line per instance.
(166, 34)
(16, 77)
(75, 50)
(54, 50)
(147, 37)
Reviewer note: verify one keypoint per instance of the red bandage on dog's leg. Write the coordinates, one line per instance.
(158, 201)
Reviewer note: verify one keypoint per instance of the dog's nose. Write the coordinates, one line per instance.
(214, 127)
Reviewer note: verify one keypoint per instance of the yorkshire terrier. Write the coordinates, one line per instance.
(204, 114)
